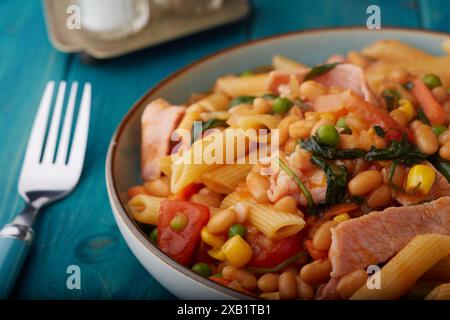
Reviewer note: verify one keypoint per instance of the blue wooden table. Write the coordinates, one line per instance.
(80, 229)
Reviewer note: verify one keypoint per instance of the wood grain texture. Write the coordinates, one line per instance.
(81, 229)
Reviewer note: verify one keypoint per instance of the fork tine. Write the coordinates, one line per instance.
(67, 126)
(36, 140)
(50, 145)
(80, 137)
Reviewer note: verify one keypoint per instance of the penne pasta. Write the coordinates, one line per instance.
(439, 272)
(225, 179)
(216, 101)
(260, 121)
(243, 86)
(403, 270)
(393, 50)
(283, 63)
(145, 208)
(231, 200)
(441, 292)
(165, 164)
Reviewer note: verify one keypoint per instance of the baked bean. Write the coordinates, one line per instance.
(242, 211)
(312, 115)
(302, 158)
(290, 145)
(268, 282)
(159, 187)
(399, 176)
(379, 197)
(399, 116)
(444, 151)
(349, 141)
(301, 128)
(206, 199)
(261, 105)
(440, 94)
(398, 75)
(366, 140)
(444, 137)
(304, 290)
(350, 283)
(322, 237)
(258, 186)
(426, 140)
(222, 221)
(317, 271)
(287, 286)
(246, 279)
(283, 127)
(286, 204)
(365, 182)
(311, 89)
(355, 123)
(357, 58)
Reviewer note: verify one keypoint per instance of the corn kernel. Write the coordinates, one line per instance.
(420, 178)
(407, 108)
(217, 254)
(342, 217)
(237, 251)
(213, 240)
(328, 116)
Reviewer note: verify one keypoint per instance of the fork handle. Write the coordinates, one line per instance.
(15, 240)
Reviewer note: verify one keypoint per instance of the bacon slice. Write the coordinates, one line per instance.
(158, 122)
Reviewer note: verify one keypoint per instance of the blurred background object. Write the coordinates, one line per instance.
(189, 6)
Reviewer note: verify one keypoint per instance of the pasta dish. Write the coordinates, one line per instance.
(300, 182)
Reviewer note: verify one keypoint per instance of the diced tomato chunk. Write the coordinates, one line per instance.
(313, 252)
(187, 192)
(431, 107)
(134, 191)
(181, 245)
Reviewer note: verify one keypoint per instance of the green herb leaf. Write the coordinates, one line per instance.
(241, 100)
(311, 205)
(320, 70)
(391, 98)
(336, 180)
(422, 117)
(209, 124)
(443, 166)
(281, 266)
(379, 131)
(302, 105)
(312, 145)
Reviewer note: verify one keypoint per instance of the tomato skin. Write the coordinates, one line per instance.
(274, 254)
(181, 245)
(313, 252)
(188, 191)
(220, 281)
(134, 191)
(431, 107)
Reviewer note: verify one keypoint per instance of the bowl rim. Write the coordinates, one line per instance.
(116, 204)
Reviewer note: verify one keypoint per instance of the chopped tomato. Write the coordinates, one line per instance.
(187, 192)
(219, 280)
(269, 253)
(134, 191)
(431, 107)
(313, 252)
(396, 135)
(181, 245)
(340, 208)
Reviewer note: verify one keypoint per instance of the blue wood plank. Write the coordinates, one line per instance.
(271, 17)
(80, 229)
(435, 14)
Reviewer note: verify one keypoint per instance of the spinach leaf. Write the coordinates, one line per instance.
(379, 131)
(443, 166)
(422, 117)
(312, 145)
(320, 70)
(337, 176)
(241, 100)
(311, 205)
(391, 98)
(282, 265)
(206, 125)
(403, 151)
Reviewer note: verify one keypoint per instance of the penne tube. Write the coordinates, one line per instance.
(165, 164)
(254, 85)
(441, 292)
(403, 270)
(440, 272)
(216, 101)
(283, 63)
(393, 50)
(145, 208)
(231, 200)
(226, 178)
(260, 121)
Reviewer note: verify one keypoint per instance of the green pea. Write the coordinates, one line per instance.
(154, 235)
(431, 81)
(281, 105)
(341, 123)
(438, 129)
(328, 135)
(246, 73)
(202, 269)
(237, 229)
(217, 275)
(179, 222)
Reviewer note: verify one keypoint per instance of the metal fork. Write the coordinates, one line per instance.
(49, 172)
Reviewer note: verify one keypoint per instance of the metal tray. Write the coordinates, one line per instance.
(163, 27)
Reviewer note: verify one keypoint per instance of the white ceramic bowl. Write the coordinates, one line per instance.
(122, 164)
